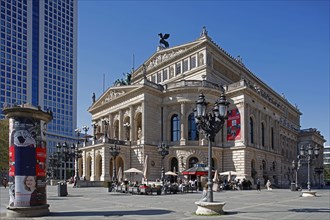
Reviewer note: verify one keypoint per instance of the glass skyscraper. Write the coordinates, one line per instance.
(39, 61)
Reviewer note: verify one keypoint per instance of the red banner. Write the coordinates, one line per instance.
(12, 161)
(233, 125)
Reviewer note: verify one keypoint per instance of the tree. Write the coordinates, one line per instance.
(4, 145)
(326, 173)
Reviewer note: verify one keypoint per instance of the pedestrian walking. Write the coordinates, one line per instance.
(258, 185)
(4, 182)
(268, 185)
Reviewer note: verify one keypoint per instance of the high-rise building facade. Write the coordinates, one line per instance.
(326, 156)
(39, 61)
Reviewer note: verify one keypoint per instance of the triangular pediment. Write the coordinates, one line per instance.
(165, 55)
(113, 93)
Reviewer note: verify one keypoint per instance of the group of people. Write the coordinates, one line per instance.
(268, 185)
(239, 184)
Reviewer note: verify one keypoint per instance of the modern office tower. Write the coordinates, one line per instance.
(326, 156)
(39, 61)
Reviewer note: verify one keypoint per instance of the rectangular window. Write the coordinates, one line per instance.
(153, 78)
(185, 65)
(164, 74)
(178, 69)
(192, 62)
(159, 77)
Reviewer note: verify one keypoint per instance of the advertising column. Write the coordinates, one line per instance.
(27, 161)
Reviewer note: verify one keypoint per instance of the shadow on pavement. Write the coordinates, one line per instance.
(113, 213)
(62, 197)
(309, 210)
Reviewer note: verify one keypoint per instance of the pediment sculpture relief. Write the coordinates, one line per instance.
(111, 95)
(163, 57)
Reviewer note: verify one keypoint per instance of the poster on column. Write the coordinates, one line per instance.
(233, 125)
(28, 188)
(12, 161)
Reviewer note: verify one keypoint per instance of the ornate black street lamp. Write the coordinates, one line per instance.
(85, 128)
(163, 150)
(114, 151)
(295, 167)
(211, 124)
(308, 154)
(63, 155)
(54, 164)
(76, 154)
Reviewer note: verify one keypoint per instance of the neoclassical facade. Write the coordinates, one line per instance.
(260, 137)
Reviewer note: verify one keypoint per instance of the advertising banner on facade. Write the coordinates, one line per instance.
(233, 125)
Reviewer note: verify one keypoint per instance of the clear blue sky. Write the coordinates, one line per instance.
(284, 43)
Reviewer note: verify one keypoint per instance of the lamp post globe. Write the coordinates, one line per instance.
(309, 153)
(163, 150)
(85, 129)
(63, 155)
(114, 151)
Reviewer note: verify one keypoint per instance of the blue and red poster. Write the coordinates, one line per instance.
(27, 158)
(233, 125)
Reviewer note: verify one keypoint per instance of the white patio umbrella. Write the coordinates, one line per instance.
(232, 173)
(120, 174)
(170, 173)
(216, 176)
(145, 168)
(133, 171)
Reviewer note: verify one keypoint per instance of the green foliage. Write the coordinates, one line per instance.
(107, 184)
(4, 144)
(326, 172)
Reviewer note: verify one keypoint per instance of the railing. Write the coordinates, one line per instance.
(192, 83)
(107, 141)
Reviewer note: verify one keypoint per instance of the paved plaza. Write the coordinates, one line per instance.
(98, 203)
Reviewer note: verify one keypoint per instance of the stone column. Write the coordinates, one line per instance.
(120, 125)
(84, 165)
(143, 122)
(131, 128)
(27, 161)
(92, 177)
(105, 164)
(183, 123)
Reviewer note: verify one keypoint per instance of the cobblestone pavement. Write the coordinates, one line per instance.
(98, 203)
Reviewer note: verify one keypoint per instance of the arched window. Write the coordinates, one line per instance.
(251, 130)
(193, 161)
(262, 134)
(116, 127)
(212, 164)
(175, 128)
(174, 164)
(272, 137)
(263, 165)
(193, 134)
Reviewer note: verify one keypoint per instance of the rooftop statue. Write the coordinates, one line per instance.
(163, 39)
(124, 82)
